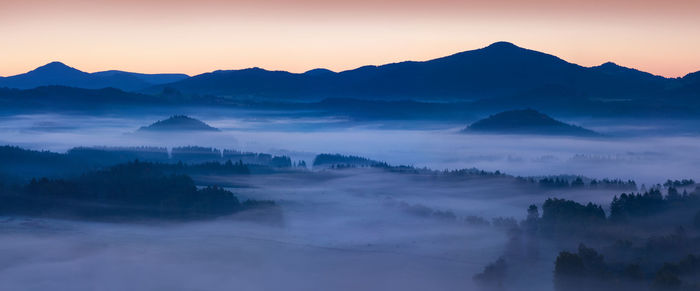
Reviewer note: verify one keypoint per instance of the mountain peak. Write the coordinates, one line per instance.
(609, 65)
(502, 45)
(319, 71)
(56, 68)
(615, 69)
(55, 65)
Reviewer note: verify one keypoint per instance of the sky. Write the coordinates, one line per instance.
(193, 37)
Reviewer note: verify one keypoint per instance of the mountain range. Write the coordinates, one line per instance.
(499, 70)
(501, 76)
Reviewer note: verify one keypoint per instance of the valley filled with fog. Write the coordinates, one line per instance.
(349, 145)
(341, 227)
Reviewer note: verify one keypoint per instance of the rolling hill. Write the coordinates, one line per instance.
(178, 123)
(527, 121)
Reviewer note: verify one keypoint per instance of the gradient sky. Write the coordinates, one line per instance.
(154, 36)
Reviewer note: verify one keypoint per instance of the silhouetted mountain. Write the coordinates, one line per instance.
(57, 73)
(499, 77)
(319, 72)
(178, 123)
(692, 77)
(526, 121)
(499, 70)
(691, 83)
(253, 82)
(150, 79)
(617, 70)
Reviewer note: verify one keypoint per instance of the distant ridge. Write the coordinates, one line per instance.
(59, 74)
(178, 123)
(499, 70)
(501, 76)
(615, 69)
(526, 121)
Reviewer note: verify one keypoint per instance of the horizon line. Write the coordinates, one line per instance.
(351, 69)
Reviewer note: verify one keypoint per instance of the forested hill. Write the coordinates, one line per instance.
(527, 121)
(178, 123)
(125, 192)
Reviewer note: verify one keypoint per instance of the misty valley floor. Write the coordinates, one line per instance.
(342, 230)
(187, 257)
(334, 236)
(342, 227)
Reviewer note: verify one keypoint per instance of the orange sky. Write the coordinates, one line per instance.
(151, 36)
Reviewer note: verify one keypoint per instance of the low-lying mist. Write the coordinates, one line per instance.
(339, 233)
(418, 143)
(342, 230)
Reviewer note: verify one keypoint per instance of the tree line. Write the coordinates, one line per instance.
(135, 190)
